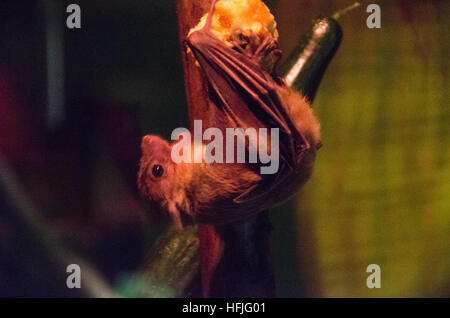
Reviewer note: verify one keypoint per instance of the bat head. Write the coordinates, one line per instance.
(156, 177)
(160, 179)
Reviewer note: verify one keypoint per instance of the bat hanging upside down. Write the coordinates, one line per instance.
(246, 93)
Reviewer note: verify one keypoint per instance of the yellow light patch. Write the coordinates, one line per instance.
(247, 17)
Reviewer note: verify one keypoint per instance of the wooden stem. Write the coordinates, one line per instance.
(235, 259)
(245, 267)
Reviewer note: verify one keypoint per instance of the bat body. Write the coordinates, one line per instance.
(245, 95)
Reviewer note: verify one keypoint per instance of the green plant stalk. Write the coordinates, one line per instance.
(306, 65)
(170, 267)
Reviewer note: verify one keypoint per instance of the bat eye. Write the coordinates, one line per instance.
(158, 171)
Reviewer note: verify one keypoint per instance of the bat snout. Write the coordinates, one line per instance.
(146, 143)
(147, 140)
(150, 140)
(154, 145)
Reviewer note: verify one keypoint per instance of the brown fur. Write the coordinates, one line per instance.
(300, 111)
(208, 191)
(193, 188)
(187, 187)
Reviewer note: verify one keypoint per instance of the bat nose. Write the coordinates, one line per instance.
(153, 144)
(150, 142)
(146, 140)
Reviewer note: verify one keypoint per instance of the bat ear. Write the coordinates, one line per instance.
(175, 215)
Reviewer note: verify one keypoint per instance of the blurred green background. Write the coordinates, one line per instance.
(380, 193)
(381, 189)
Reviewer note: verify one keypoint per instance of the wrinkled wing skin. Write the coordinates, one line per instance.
(247, 96)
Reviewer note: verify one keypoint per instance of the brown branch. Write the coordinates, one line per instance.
(189, 13)
(235, 259)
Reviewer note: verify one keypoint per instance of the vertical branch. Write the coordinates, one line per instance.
(189, 13)
(235, 259)
(245, 267)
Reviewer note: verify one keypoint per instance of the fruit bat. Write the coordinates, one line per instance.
(245, 93)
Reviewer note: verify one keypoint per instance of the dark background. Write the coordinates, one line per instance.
(74, 105)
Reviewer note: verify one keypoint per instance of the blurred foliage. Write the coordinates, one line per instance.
(381, 189)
